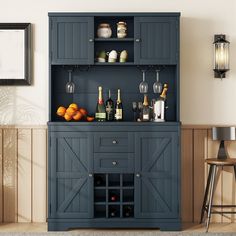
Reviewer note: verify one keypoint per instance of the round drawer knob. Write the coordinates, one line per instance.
(90, 175)
(114, 163)
(137, 40)
(138, 175)
(91, 40)
(114, 142)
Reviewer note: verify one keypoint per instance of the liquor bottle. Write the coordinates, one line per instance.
(109, 107)
(164, 92)
(128, 211)
(100, 114)
(119, 108)
(146, 109)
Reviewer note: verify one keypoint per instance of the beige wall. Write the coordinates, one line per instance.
(204, 100)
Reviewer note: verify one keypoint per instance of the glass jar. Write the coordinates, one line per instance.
(104, 31)
(121, 29)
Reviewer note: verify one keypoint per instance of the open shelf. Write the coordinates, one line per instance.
(113, 63)
(114, 39)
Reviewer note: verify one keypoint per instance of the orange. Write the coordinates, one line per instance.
(67, 117)
(90, 118)
(83, 111)
(70, 111)
(78, 115)
(61, 111)
(75, 106)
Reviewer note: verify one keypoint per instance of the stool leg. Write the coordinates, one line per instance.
(206, 193)
(235, 172)
(211, 197)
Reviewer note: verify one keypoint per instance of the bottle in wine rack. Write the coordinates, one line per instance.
(113, 212)
(128, 211)
(114, 197)
(109, 108)
(99, 181)
(100, 114)
(119, 108)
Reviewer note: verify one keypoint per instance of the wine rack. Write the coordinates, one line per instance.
(113, 195)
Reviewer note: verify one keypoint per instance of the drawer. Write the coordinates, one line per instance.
(114, 142)
(113, 162)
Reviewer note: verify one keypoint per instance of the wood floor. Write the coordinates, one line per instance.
(42, 227)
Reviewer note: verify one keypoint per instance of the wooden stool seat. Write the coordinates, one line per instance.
(221, 162)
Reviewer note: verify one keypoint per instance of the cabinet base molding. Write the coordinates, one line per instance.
(63, 225)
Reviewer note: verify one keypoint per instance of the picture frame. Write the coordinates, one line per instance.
(15, 54)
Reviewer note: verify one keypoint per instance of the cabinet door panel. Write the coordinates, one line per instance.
(71, 40)
(71, 188)
(156, 190)
(156, 40)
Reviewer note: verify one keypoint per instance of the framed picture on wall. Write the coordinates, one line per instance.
(15, 54)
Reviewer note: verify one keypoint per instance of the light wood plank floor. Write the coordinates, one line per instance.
(42, 227)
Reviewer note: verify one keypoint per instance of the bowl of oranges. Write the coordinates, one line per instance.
(74, 113)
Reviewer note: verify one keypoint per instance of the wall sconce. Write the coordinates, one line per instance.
(221, 57)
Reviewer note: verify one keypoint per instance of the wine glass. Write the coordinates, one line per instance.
(70, 86)
(143, 86)
(135, 108)
(157, 86)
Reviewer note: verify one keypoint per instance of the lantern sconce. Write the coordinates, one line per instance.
(221, 55)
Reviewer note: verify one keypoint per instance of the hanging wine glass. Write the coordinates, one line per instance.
(70, 86)
(143, 86)
(157, 86)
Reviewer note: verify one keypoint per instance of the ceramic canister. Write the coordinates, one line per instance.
(104, 31)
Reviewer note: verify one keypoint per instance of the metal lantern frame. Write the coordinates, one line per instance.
(221, 55)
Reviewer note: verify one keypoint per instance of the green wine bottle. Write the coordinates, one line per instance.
(100, 114)
(119, 108)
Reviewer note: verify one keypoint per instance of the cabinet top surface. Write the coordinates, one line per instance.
(114, 14)
(123, 123)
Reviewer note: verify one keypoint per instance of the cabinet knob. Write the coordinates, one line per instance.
(137, 40)
(114, 163)
(138, 175)
(91, 40)
(90, 175)
(114, 142)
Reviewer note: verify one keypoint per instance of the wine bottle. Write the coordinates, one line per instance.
(128, 211)
(113, 212)
(100, 114)
(113, 197)
(119, 108)
(146, 109)
(99, 181)
(164, 92)
(109, 107)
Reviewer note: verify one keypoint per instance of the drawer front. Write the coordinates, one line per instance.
(113, 162)
(114, 142)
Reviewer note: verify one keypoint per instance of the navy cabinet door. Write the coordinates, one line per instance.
(156, 40)
(156, 180)
(72, 40)
(70, 183)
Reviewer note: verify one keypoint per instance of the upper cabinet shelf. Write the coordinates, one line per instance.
(151, 40)
(114, 39)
